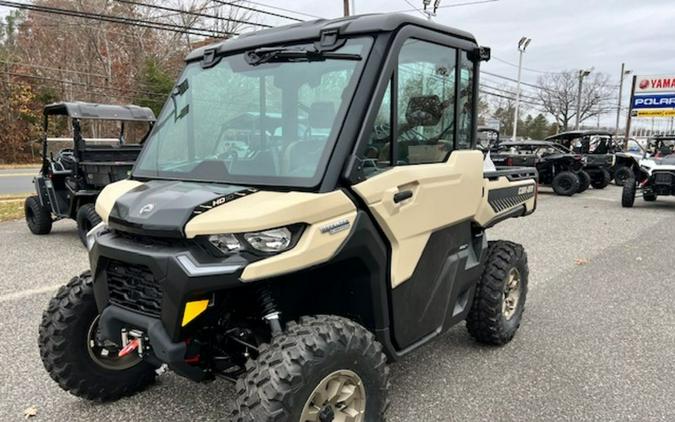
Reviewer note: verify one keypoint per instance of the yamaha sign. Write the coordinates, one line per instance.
(649, 84)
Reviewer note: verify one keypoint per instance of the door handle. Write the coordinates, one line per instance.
(402, 196)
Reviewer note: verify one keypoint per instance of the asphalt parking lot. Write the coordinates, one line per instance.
(597, 340)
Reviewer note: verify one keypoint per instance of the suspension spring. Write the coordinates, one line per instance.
(269, 310)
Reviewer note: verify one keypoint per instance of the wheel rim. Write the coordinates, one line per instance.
(339, 397)
(107, 357)
(565, 183)
(512, 289)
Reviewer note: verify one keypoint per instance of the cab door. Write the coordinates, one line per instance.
(424, 185)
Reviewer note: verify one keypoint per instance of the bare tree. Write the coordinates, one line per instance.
(558, 95)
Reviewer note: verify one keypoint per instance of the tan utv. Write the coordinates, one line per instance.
(309, 207)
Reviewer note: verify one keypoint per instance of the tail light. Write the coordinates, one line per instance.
(509, 162)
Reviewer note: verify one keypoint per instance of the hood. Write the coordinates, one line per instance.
(163, 208)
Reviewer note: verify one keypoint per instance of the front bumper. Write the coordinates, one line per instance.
(154, 278)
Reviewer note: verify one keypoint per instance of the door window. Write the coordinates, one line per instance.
(425, 103)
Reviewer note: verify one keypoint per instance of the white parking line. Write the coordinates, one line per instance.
(27, 293)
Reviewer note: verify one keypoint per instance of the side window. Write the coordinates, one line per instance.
(465, 101)
(377, 156)
(425, 103)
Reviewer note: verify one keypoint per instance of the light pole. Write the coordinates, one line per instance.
(624, 73)
(522, 45)
(582, 75)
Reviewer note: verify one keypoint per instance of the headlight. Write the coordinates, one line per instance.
(227, 243)
(267, 241)
(275, 240)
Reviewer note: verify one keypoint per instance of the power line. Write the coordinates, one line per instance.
(514, 80)
(204, 32)
(447, 6)
(284, 10)
(191, 13)
(65, 81)
(529, 69)
(235, 4)
(414, 9)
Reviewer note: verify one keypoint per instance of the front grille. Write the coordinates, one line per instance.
(148, 240)
(134, 287)
(663, 178)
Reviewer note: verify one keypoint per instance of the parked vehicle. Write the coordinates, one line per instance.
(627, 161)
(597, 147)
(557, 166)
(69, 182)
(655, 173)
(298, 268)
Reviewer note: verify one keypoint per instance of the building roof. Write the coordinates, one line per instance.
(93, 111)
(350, 25)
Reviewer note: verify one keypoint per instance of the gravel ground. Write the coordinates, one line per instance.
(597, 341)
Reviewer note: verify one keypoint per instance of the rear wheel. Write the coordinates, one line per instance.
(649, 196)
(87, 219)
(38, 218)
(324, 368)
(628, 194)
(601, 180)
(621, 174)
(566, 183)
(584, 181)
(499, 301)
(73, 355)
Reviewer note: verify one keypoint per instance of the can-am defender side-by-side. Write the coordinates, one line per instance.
(557, 166)
(69, 182)
(597, 147)
(655, 175)
(309, 205)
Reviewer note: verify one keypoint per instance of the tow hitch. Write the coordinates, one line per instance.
(133, 340)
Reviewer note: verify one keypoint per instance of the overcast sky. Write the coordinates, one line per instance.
(566, 34)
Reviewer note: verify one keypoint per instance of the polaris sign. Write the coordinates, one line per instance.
(654, 101)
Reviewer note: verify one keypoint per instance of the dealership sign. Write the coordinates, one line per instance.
(660, 83)
(653, 113)
(657, 101)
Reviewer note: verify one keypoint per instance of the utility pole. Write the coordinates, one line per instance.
(522, 45)
(624, 72)
(582, 75)
(345, 5)
(630, 111)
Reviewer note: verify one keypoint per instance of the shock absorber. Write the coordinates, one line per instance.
(269, 310)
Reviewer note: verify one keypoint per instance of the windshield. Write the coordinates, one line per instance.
(663, 148)
(259, 123)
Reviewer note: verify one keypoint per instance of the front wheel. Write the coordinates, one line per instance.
(87, 219)
(566, 183)
(628, 194)
(38, 218)
(72, 354)
(601, 180)
(499, 301)
(584, 181)
(324, 368)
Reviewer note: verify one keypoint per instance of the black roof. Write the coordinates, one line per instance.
(663, 138)
(93, 111)
(573, 134)
(350, 25)
(525, 143)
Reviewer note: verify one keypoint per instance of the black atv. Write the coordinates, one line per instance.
(598, 149)
(557, 166)
(70, 180)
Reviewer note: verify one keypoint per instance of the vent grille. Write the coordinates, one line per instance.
(663, 178)
(134, 287)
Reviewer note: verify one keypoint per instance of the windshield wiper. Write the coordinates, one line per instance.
(287, 54)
